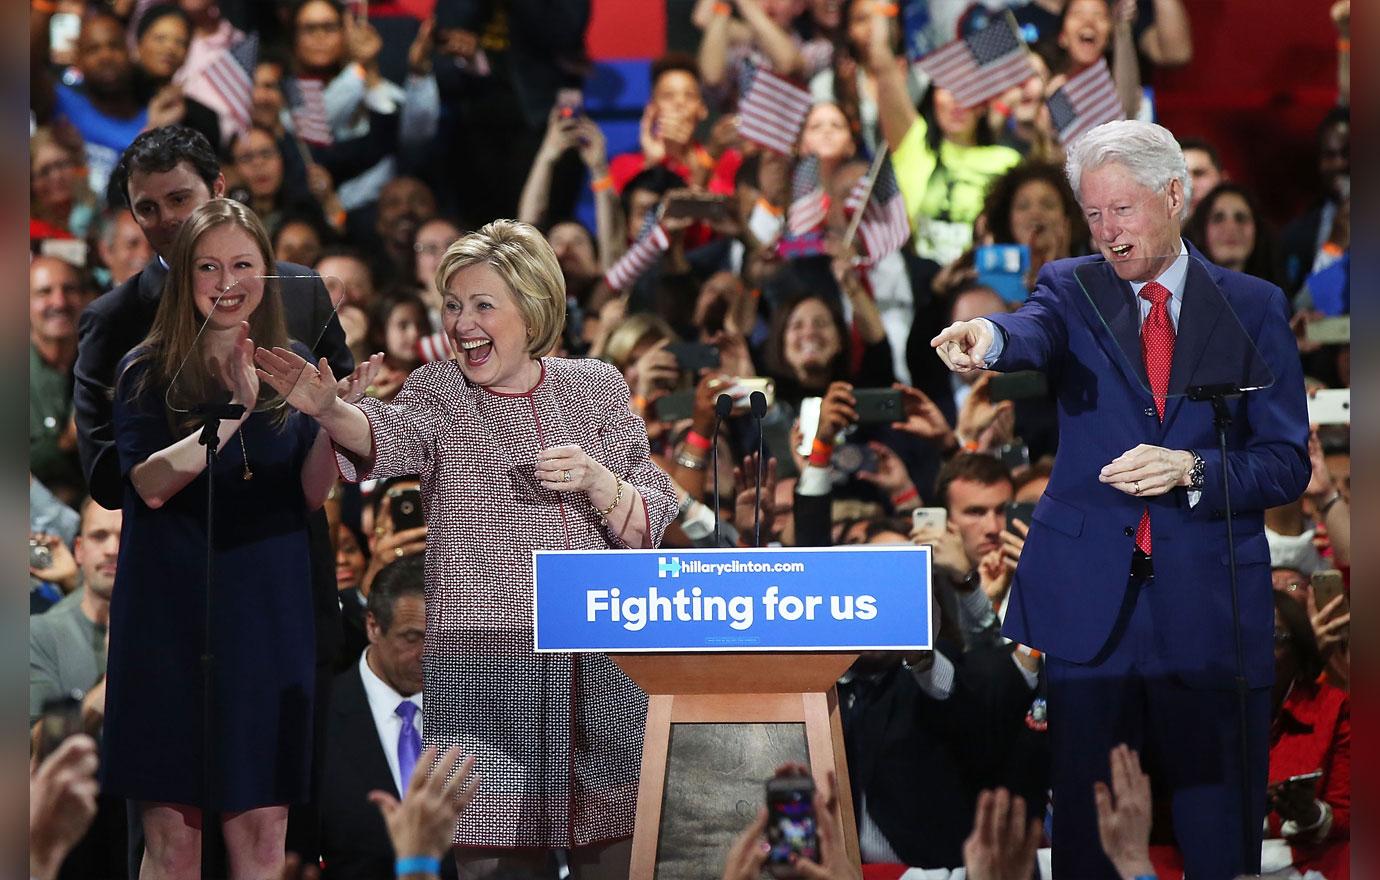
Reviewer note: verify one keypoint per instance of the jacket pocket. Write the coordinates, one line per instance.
(1060, 516)
(1254, 550)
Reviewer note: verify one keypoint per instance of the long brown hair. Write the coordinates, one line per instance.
(171, 344)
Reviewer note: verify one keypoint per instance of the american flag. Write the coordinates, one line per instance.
(640, 257)
(808, 205)
(771, 110)
(306, 99)
(435, 347)
(981, 65)
(1085, 101)
(231, 75)
(884, 226)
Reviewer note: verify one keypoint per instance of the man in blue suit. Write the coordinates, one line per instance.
(1123, 582)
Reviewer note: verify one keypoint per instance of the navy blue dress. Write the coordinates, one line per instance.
(263, 634)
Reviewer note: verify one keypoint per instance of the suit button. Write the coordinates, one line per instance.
(1150, 411)
(1129, 532)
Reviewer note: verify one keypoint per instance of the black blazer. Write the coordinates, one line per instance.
(354, 839)
(921, 761)
(117, 321)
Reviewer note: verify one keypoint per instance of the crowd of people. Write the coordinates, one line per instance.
(296, 210)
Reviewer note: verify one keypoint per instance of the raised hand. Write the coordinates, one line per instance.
(352, 388)
(424, 823)
(1123, 815)
(308, 389)
(1002, 844)
(924, 419)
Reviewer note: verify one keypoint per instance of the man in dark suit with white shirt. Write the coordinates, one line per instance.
(374, 732)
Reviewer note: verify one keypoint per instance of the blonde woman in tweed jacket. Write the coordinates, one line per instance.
(516, 452)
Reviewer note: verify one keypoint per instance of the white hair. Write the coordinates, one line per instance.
(1148, 151)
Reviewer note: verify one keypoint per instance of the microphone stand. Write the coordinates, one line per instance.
(722, 407)
(758, 401)
(1221, 419)
(211, 415)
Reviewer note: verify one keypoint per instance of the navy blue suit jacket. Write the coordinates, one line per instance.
(1072, 577)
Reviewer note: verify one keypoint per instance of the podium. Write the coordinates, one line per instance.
(733, 637)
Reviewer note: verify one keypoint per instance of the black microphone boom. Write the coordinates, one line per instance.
(722, 407)
(758, 402)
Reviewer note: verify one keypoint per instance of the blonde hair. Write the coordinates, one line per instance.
(623, 338)
(521, 256)
(177, 323)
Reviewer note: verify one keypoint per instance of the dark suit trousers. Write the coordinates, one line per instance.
(1189, 735)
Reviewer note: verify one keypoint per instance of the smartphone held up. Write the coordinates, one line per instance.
(791, 824)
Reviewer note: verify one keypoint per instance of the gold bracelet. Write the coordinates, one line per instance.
(617, 497)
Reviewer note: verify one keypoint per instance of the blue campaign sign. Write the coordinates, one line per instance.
(859, 598)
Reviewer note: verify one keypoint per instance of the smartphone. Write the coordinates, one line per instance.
(1024, 511)
(61, 718)
(791, 825)
(1014, 455)
(405, 509)
(1327, 586)
(742, 388)
(1329, 331)
(63, 30)
(852, 458)
(930, 518)
(1020, 385)
(1330, 406)
(675, 406)
(570, 103)
(878, 405)
(1299, 779)
(697, 206)
(40, 557)
(692, 357)
(809, 423)
(1002, 267)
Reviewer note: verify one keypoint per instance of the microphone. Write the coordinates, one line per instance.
(722, 407)
(758, 403)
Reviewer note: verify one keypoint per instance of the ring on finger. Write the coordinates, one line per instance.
(565, 476)
(1135, 487)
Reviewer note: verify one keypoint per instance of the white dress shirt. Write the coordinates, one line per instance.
(383, 705)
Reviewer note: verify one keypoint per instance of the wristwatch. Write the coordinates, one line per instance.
(1195, 473)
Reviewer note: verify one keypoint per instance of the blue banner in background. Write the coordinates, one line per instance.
(770, 599)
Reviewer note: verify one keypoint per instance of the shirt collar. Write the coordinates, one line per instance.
(378, 691)
(1172, 278)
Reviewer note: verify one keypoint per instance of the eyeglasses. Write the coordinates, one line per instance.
(431, 249)
(51, 168)
(319, 28)
(263, 155)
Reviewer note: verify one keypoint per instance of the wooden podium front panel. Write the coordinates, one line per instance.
(705, 761)
(715, 777)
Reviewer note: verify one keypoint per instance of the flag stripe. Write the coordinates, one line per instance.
(981, 65)
(1086, 101)
(772, 110)
(639, 258)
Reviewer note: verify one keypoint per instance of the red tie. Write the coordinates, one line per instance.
(1157, 346)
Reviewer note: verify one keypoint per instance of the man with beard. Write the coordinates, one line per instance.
(404, 204)
(104, 108)
(56, 297)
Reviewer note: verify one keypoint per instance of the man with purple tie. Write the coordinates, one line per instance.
(1124, 581)
(375, 733)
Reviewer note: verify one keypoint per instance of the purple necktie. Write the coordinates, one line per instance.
(409, 743)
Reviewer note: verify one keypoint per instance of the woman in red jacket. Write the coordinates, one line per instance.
(1310, 733)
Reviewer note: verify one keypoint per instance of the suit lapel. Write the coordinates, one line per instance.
(151, 281)
(352, 702)
(1198, 316)
(1114, 307)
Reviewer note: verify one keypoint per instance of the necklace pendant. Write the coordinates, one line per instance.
(248, 474)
